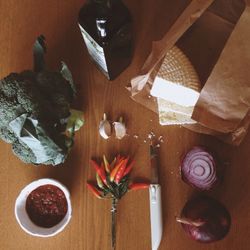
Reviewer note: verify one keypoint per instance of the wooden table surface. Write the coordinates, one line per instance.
(21, 22)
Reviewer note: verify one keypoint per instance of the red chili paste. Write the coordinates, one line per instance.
(46, 205)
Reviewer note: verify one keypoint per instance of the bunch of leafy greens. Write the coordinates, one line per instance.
(35, 112)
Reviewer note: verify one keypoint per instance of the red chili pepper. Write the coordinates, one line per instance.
(128, 168)
(100, 171)
(120, 171)
(137, 186)
(118, 158)
(115, 170)
(94, 190)
(102, 167)
(106, 164)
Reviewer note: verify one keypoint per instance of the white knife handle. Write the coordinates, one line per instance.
(155, 215)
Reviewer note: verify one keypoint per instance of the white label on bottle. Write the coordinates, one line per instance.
(95, 50)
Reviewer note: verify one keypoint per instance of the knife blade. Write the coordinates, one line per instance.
(155, 201)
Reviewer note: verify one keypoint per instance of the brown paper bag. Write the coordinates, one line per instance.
(159, 48)
(223, 106)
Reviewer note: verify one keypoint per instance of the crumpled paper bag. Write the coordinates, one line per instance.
(223, 108)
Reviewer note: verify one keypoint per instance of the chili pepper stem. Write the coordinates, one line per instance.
(113, 222)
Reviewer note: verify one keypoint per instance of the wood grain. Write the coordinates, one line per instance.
(89, 229)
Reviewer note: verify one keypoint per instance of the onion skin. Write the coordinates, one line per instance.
(199, 169)
(205, 219)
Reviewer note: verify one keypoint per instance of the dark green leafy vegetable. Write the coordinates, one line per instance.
(35, 112)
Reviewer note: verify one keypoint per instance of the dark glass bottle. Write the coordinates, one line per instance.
(107, 31)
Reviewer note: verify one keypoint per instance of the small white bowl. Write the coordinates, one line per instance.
(23, 219)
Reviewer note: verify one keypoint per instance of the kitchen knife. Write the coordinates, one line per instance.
(155, 201)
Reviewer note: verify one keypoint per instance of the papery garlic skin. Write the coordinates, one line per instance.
(120, 130)
(105, 128)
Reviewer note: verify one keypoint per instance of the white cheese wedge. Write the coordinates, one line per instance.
(177, 88)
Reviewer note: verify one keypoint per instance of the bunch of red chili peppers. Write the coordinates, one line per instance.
(112, 181)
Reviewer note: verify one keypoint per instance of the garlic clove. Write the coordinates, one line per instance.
(120, 129)
(105, 128)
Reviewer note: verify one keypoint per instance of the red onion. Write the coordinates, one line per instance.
(199, 169)
(205, 219)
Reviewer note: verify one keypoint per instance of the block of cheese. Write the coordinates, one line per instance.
(171, 117)
(177, 88)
